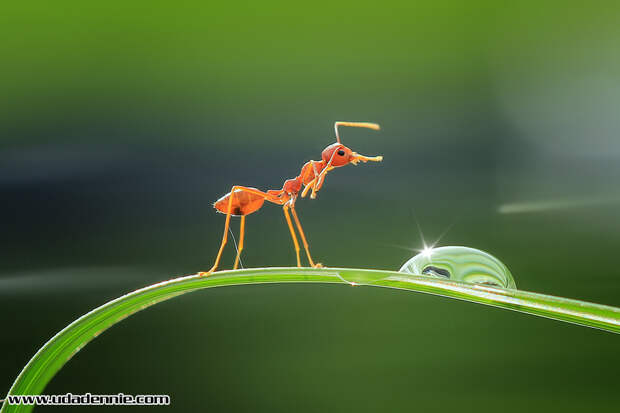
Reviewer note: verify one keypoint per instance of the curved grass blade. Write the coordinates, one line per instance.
(60, 348)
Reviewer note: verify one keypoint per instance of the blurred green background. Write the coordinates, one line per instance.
(121, 122)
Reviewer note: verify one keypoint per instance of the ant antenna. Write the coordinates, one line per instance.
(367, 125)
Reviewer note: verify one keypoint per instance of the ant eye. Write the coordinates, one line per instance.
(341, 152)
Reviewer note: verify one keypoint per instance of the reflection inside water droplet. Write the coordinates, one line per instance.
(460, 264)
(436, 271)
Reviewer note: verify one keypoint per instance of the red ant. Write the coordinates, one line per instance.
(242, 201)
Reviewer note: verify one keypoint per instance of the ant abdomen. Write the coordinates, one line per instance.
(243, 202)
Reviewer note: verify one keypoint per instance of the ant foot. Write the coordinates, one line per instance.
(318, 265)
(206, 273)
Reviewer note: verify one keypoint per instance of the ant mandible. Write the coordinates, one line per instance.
(242, 201)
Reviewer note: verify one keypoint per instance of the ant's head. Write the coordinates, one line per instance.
(337, 154)
(340, 155)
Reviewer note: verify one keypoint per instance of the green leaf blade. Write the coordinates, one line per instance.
(64, 345)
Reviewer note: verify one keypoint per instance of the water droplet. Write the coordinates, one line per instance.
(460, 264)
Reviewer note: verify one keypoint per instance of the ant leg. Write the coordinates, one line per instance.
(315, 184)
(224, 238)
(308, 187)
(319, 181)
(267, 197)
(241, 237)
(303, 238)
(290, 227)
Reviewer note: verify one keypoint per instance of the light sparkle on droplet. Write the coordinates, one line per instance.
(427, 251)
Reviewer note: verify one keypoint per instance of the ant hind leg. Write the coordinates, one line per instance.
(268, 197)
(241, 237)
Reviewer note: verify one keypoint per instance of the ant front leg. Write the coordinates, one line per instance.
(320, 181)
(316, 184)
(315, 174)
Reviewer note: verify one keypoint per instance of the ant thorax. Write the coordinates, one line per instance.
(310, 170)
